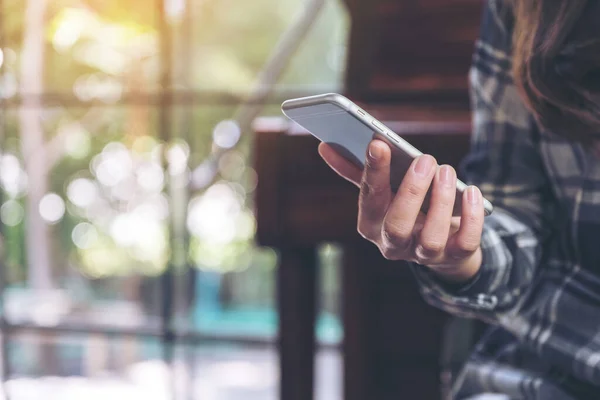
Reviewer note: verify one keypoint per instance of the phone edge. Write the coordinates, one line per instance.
(332, 98)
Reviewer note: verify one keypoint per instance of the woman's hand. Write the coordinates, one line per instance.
(450, 246)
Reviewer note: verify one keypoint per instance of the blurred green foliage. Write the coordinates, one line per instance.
(101, 49)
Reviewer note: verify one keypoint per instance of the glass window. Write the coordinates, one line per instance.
(116, 227)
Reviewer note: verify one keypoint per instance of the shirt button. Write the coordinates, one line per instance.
(486, 301)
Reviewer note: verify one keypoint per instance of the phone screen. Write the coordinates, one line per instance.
(338, 128)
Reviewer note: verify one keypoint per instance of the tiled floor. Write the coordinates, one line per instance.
(247, 374)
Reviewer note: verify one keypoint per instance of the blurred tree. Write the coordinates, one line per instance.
(33, 145)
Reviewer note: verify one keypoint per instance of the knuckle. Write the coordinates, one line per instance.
(427, 251)
(468, 244)
(445, 202)
(432, 247)
(397, 235)
(471, 220)
(423, 256)
(396, 229)
(414, 191)
(391, 253)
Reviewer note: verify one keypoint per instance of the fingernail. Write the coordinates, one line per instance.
(375, 151)
(446, 175)
(473, 195)
(424, 165)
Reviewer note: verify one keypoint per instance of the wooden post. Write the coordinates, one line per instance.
(297, 286)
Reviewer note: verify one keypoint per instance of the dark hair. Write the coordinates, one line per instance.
(557, 64)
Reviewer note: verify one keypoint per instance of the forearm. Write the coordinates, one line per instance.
(512, 290)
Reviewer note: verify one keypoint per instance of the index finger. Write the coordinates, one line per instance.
(375, 190)
(340, 165)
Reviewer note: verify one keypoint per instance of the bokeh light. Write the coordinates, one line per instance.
(12, 176)
(8, 85)
(11, 213)
(177, 156)
(125, 190)
(232, 165)
(144, 144)
(52, 208)
(203, 175)
(213, 216)
(77, 140)
(145, 237)
(113, 165)
(175, 8)
(155, 208)
(251, 180)
(226, 134)
(101, 56)
(98, 86)
(150, 176)
(71, 25)
(82, 192)
(84, 235)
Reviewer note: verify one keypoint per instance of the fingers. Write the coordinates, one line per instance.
(405, 207)
(434, 236)
(375, 191)
(339, 164)
(395, 222)
(468, 238)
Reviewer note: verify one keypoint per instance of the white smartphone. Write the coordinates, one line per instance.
(337, 121)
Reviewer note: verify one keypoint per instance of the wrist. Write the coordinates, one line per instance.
(462, 272)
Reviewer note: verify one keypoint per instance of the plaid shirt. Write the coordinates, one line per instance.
(539, 285)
